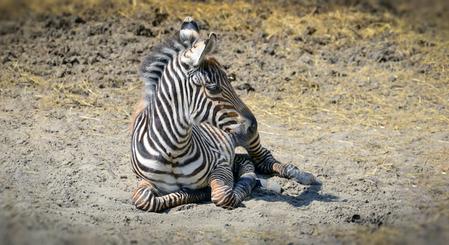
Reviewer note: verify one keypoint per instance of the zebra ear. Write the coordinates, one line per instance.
(190, 32)
(196, 54)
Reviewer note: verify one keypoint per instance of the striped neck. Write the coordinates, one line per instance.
(169, 115)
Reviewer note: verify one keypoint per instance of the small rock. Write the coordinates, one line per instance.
(270, 50)
(298, 39)
(424, 43)
(141, 30)
(9, 57)
(61, 73)
(245, 86)
(78, 20)
(336, 98)
(232, 77)
(355, 218)
(310, 30)
(335, 73)
(306, 59)
(425, 68)
(392, 78)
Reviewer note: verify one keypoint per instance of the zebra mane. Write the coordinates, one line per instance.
(154, 64)
(211, 63)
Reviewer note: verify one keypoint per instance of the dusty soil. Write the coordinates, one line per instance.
(356, 92)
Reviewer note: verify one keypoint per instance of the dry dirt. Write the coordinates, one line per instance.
(356, 92)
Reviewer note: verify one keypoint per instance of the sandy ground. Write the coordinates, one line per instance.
(366, 110)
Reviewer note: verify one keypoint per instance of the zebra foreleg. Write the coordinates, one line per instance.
(225, 193)
(147, 198)
(265, 163)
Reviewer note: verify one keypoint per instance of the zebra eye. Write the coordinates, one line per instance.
(213, 88)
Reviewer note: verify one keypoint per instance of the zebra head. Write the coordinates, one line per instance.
(213, 98)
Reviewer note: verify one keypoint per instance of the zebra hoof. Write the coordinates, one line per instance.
(305, 178)
(269, 185)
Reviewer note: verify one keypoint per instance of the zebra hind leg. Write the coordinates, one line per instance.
(225, 193)
(146, 197)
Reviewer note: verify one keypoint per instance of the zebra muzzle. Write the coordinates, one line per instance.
(246, 129)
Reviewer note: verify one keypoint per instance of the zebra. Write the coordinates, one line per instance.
(185, 133)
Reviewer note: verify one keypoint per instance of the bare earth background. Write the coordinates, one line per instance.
(356, 92)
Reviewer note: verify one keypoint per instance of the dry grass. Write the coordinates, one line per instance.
(51, 93)
(82, 94)
(417, 101)
(420, 106)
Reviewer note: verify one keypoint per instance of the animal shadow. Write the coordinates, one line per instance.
(307, 196)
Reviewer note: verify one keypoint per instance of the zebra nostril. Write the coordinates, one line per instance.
(252, 126)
